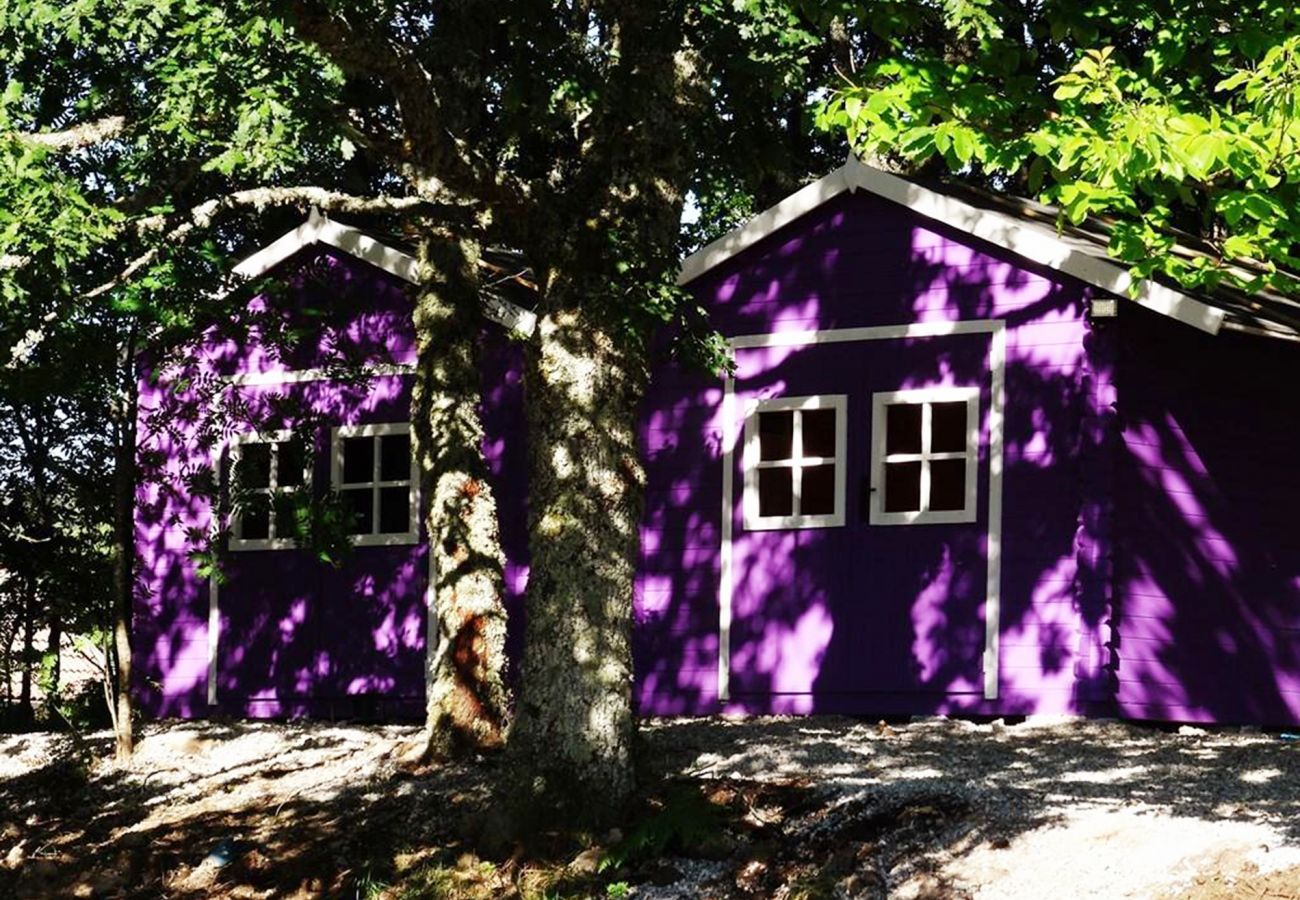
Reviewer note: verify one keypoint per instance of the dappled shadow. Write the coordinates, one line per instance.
(880, 619)
(123, 833)
(1208, 554)
(299, 636)
(1035, 771)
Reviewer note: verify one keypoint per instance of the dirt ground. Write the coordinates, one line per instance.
(783, 808)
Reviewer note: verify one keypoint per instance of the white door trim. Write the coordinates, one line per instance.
(997, 330)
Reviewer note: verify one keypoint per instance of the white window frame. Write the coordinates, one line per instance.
(797, 461)
(337, 435)
(235, 445)
(925, 398)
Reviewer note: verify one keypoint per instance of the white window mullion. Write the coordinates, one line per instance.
(374, 485)
(795, 462)
(927, 422)
(796, 467)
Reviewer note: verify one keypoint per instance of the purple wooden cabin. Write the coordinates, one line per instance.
(962, 466)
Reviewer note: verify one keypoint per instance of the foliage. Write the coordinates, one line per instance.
(1180, 126)
(685, 823)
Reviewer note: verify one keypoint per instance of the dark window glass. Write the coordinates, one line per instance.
(775, 492)
(775, 435)
(255, 465)
(395, 458)
(817, 491)
(903, 428)
(255, 518)
(292, 463)
(394, 510)
(948, 427)
(358, 505)
(285, 523)
(902, 487)
(819, 433)
(358, 460)
(948, 484)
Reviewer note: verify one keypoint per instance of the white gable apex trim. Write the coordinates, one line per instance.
(354, 242)
(1033, 241)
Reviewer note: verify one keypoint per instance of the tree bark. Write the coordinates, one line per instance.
(53, 645)
(606, 262)
(29, 651)
(467, 700)
(124, 484)
(572, 737)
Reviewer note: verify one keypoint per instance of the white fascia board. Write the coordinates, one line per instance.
(802, 201)
(1032, 241)
(354, 242)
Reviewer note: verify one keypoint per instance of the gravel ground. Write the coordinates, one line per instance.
(1066, 809)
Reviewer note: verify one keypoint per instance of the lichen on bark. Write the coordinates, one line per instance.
(574, 723)
(467, 699)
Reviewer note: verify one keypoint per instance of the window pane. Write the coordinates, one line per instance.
(902, 487)
(394, 510)
(819, 432)
(358, 459)
(285, 525)
(255, 518)
(775, 492)
(948, 484)
(395, 458)
(817, 491)
(948, 427)
(291, 464)
(903, 428)
(254, 469)
(357, 505)
(775, 435)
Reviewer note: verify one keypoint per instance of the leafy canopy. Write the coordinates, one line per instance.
(1180, 124)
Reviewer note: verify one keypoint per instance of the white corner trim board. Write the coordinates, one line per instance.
(997, 332)
(321, 229)
(1034, 241)
(214, 638)
(299, 376)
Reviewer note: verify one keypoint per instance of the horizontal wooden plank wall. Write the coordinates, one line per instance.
(1208, 550)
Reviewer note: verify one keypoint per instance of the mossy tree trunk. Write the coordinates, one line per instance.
(608, 271)
(467, 698)
(574, 722)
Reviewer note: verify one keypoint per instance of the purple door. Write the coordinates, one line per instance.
(860, 526)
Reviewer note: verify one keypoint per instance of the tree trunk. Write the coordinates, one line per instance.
(574, 725)
(467, 704)
(124, 483)
(53, 646)
(29, 649)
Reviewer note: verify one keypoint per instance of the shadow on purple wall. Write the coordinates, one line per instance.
(297, 635)
(1208, 551)
(925, 653)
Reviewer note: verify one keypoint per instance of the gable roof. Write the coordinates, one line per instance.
(1026, 229)
(320, 229)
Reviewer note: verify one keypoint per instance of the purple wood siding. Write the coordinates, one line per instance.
(298, 637)
(861, 261)
(1208, 552)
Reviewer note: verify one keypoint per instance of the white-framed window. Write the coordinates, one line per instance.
(924, 456)
(267, 470)
(794, 462)
(373, 469)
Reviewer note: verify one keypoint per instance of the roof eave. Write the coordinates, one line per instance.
(1029, 240)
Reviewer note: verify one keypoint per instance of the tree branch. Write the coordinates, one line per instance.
(361, 51)
(78, 136)
(179, 228)
(202, 216)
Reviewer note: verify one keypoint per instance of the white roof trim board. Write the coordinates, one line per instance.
(321, 229)
(1033, 241)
